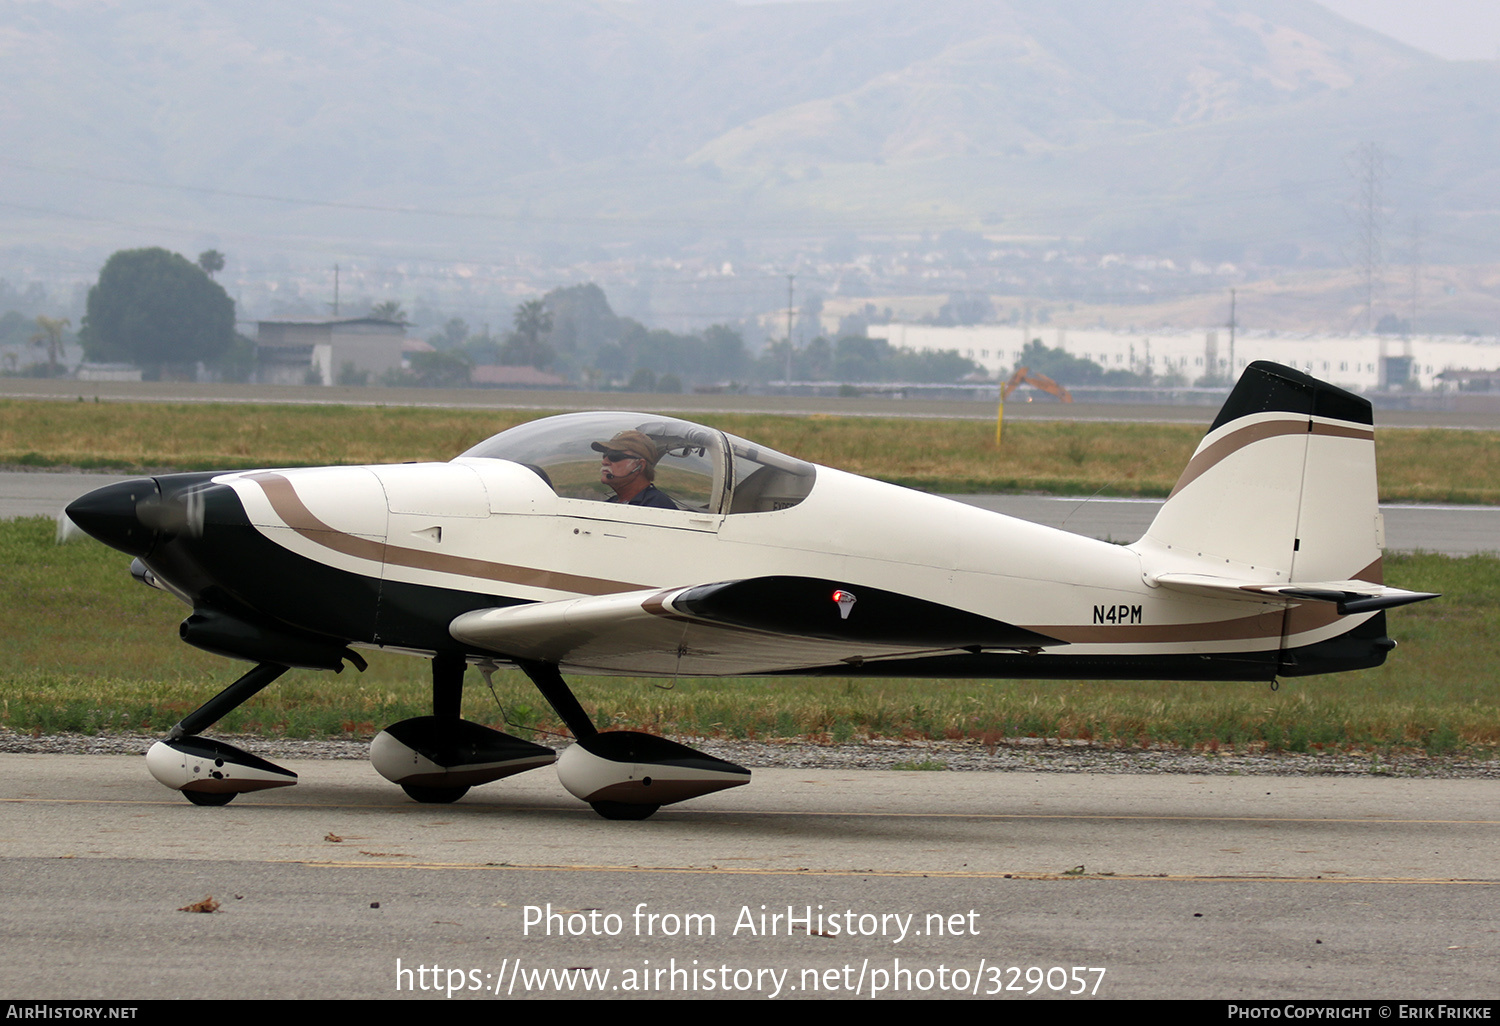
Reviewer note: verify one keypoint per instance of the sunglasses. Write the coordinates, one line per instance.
(616, 456)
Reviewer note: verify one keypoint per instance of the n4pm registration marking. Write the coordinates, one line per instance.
(1117, 614)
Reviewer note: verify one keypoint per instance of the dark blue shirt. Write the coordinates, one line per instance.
(652, 496)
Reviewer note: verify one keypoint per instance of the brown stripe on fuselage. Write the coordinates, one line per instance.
(1252, 433)
(1260, 627)
(1241, 628)
(1300, 618)
(1310, 616)
(294, 513)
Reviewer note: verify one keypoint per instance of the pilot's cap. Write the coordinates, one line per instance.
(632, 442)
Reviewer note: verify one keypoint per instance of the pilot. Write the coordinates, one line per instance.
(628, 466)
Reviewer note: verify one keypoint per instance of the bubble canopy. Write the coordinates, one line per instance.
(701, 469)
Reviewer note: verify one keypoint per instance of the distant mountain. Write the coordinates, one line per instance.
(1006, 79)
(1212, 126)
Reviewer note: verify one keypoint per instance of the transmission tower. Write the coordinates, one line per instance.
(790, 309)
(1367, 165)
(1416, 271)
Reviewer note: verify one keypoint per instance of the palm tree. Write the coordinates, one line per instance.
(526, 345)
(390, 310)
(50, 335)
(212, 262)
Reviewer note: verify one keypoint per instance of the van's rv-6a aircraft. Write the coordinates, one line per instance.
(1264, 562)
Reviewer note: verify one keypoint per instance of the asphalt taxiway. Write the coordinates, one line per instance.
(804, 883)
(1474, 412)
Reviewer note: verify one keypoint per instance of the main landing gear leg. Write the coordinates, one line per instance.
(448, 686)
(624, 774)
(447, 704)
(212, 772)
(437, 758)
(548, 680)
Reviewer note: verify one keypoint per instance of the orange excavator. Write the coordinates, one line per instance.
(1023, 375)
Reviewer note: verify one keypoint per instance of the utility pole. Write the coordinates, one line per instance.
(1416, 272)
(790, 278)
(1231, 338)
(335, 290)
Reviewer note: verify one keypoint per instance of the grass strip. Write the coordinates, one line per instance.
(87, 649)
(1068, 458)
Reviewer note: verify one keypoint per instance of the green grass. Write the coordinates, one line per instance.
(85, 648)
(1416, 465)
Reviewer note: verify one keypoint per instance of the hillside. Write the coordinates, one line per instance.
(474, 125)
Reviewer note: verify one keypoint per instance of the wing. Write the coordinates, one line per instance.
(755, 625)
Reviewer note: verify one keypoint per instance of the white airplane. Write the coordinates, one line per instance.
(736, 560)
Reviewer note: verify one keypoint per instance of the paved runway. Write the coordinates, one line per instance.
(1175, 886)
(1452, 530)
(1482, 417)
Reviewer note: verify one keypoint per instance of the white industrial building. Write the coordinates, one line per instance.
(1361, 363)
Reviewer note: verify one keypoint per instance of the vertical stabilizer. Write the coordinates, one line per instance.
(1281, 489)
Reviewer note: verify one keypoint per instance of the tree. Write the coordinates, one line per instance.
(1067, 369)
(451, 335)
(390, 310)
(482, 348)
(154, 308)
(526, 344)
(724, 352)
(237, 363)
(212, 262)
(50, 334)
(582, 320)
(440, 369)
(856, 358)
(966, 308)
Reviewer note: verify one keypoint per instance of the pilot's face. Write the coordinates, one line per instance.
(617, 467)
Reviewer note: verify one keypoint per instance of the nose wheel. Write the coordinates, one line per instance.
(211, 772)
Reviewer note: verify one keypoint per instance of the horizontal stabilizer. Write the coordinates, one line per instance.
(1349, 596)
(1363, 598)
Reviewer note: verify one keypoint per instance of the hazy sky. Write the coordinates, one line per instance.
(1456, 29)
(1462, 30)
